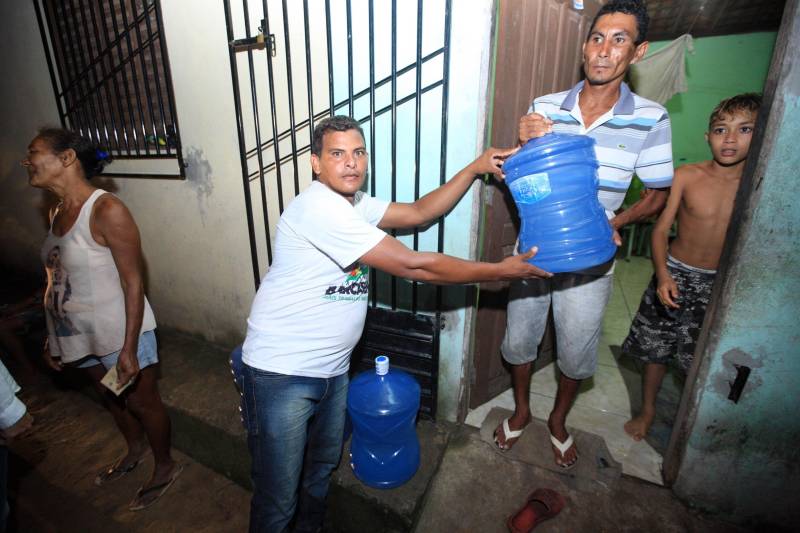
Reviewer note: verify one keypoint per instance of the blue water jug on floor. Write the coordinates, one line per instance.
(553, 180)
(383, 405)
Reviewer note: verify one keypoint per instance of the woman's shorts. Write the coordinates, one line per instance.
(147, 354)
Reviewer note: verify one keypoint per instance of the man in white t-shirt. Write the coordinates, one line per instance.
(310, 309)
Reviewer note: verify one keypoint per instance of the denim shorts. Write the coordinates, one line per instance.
(147, 354)
(579, 303)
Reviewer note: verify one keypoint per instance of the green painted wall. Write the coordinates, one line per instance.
(719, 68)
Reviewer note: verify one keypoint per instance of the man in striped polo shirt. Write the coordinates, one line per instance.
(632, 134)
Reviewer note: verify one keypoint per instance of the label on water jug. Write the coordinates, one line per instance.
(531, 188)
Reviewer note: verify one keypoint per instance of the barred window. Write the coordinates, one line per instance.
(110, 71)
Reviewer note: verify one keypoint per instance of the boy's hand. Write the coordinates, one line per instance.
(668, 292)
(517, 267)
(491, 161)
(532, 126)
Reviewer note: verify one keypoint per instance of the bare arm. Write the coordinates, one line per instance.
(667, 289)
(113, 226)
(439, 201)
(392, 256)
(652, 204)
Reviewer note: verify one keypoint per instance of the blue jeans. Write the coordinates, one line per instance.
(295, 426)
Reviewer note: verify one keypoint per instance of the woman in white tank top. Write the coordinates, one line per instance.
(97, 315)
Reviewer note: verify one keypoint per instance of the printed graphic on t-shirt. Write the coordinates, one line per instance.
(60, 305)
(354, 287)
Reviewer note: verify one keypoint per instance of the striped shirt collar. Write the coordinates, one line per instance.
(624, 105)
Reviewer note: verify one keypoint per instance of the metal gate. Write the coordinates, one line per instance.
(385, 63)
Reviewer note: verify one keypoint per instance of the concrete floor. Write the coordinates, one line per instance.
(478, 487)
(468, 485)
(608, 400)
(52, 471)
(465, 483)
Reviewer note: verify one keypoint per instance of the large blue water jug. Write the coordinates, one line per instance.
(553, 180)
(383, 405)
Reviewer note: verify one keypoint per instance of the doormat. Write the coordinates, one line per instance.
(595, 463)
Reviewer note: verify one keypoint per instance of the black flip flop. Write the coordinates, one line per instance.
(114, 472)
(159, 490)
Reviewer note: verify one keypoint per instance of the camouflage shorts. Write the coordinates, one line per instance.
(662, 335)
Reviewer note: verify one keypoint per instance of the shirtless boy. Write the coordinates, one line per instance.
(671, 312)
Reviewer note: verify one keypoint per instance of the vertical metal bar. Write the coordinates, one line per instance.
(97, 115)
(154, 64)
(75, 87)
(81, 120)
(126, 33)
(124, 120)
(309, 85)
(394, 130)
(372, 150)
(290, 89)
(257, 130)
(271, 77)
(167, 71)
(145, 78)
(443, 156)
(129, 121)
(49, 50)
(115, 110)
(99, 83)
(240, 134)
(350, 59)
(417, 113)
(330, 55)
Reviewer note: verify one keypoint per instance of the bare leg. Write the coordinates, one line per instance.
(521, 383)
(556, 422)
(144, 402)
(128, 425)
(638, 426)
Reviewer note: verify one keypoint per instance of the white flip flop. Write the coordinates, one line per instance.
(509, 434)
(562, 448)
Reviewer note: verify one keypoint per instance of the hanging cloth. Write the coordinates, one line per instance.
(662, 74)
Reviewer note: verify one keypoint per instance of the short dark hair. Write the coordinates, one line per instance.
(629, 7)
(741, 102)
(334, 123)
(93, 159)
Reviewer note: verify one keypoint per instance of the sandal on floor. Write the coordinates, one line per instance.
(528, 518)
(509, 434)
(562, 448)
(114, 471)
(147, 497)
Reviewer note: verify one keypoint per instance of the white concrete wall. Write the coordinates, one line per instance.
(467, 113)
(26, 102)
(194, 232)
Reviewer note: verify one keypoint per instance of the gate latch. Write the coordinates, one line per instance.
(259, 42)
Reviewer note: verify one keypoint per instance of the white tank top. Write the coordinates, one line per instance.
(84, 303)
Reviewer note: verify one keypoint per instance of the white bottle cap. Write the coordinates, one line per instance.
(381, 365)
